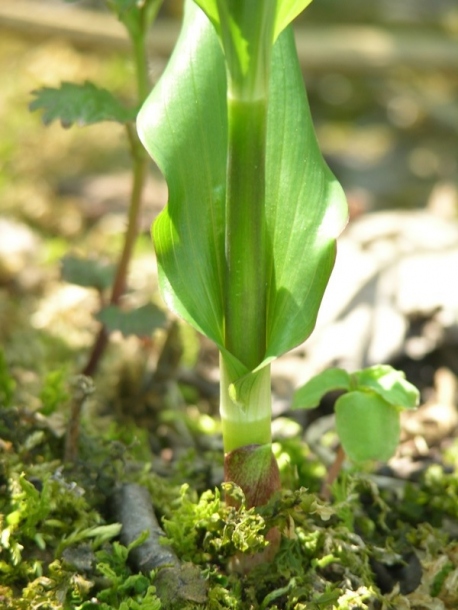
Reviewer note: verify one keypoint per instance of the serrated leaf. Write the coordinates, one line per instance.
(368, 427)
(141, 322)
(310, 394)
(89, 273)
(83, 104)
(183, 125)
(388, 383)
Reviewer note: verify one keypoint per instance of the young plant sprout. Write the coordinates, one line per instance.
(367, 412)
(246, 243)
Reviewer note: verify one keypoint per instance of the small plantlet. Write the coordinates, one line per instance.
(367, 413)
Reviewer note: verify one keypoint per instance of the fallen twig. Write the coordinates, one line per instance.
(175, 582)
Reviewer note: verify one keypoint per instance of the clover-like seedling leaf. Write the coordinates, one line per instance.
(83, 104)
(141, 322)
(367, 415)
(367, 425)
(310, 394)
(89, 273)
(388, 383)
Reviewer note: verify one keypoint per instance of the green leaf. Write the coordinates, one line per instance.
(388, 383)
(287, 10)
(87, 272)
(83, 104)
(54, 392)
(210, 8)
(310, 394)
(368, 426)
(142, 321)
(306, 207)
(183, 125)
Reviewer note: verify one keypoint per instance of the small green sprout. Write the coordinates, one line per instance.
(368, 413)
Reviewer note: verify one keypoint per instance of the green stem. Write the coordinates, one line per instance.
(250, 424)
(246, 244)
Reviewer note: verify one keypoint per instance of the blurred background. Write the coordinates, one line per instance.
(382, 80)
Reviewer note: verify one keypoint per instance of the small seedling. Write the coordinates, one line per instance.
(367, 412)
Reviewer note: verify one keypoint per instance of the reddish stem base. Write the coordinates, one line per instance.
(255, 470)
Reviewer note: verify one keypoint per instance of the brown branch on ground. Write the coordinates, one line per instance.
(175, 582)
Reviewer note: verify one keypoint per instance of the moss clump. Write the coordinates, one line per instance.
(59, 547)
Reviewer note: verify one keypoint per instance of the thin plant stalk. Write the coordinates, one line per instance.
(140, 166)
(139, 173)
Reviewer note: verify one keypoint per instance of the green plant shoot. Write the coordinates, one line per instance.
(367, 413)
(246, 243)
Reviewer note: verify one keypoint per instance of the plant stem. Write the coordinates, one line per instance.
(245, 425)
(333, 472)
(139, 172)
(246, 246)
(249, 461)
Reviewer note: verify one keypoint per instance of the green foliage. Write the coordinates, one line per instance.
(389, 384)
(305, 208)
(368, 427)
(84, 104)
(7, 383)
(123, 590)
(367, 415)
(324, 561)
(87, 272)
(142, 321)
(310, 394)
(41, 513)
(54, 392)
